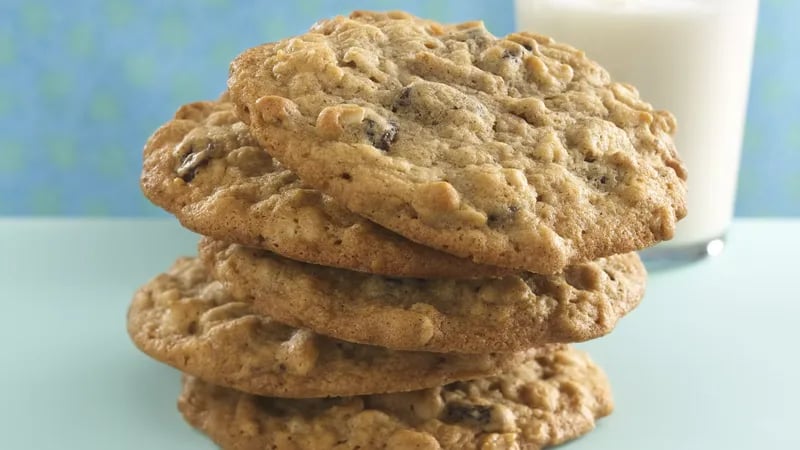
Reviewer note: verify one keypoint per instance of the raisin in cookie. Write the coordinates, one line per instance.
(512, 313)
(206, 168)
(517, 152)
(186, 319)
(552, 398)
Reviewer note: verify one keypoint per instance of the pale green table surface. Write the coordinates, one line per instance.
(708, 361)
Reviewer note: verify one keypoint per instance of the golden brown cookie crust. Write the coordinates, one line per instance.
(516, 152)
(187, 320)
(512, 313)
(554, 397)
(205, 167)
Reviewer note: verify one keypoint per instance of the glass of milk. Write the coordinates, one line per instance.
(691, 57)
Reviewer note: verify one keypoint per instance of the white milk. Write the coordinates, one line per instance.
(692, 58)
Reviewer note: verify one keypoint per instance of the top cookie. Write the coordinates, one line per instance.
(517, 152)
(206, 168)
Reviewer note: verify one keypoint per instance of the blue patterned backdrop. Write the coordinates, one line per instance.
(84, 83)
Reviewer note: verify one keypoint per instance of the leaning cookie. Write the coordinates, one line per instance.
(189, 321)
(517, 152)
(512, 313)
(550, 399)
(206, 169)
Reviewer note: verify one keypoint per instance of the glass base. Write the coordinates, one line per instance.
(668, 257)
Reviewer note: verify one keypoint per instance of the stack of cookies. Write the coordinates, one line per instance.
(405, 223)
